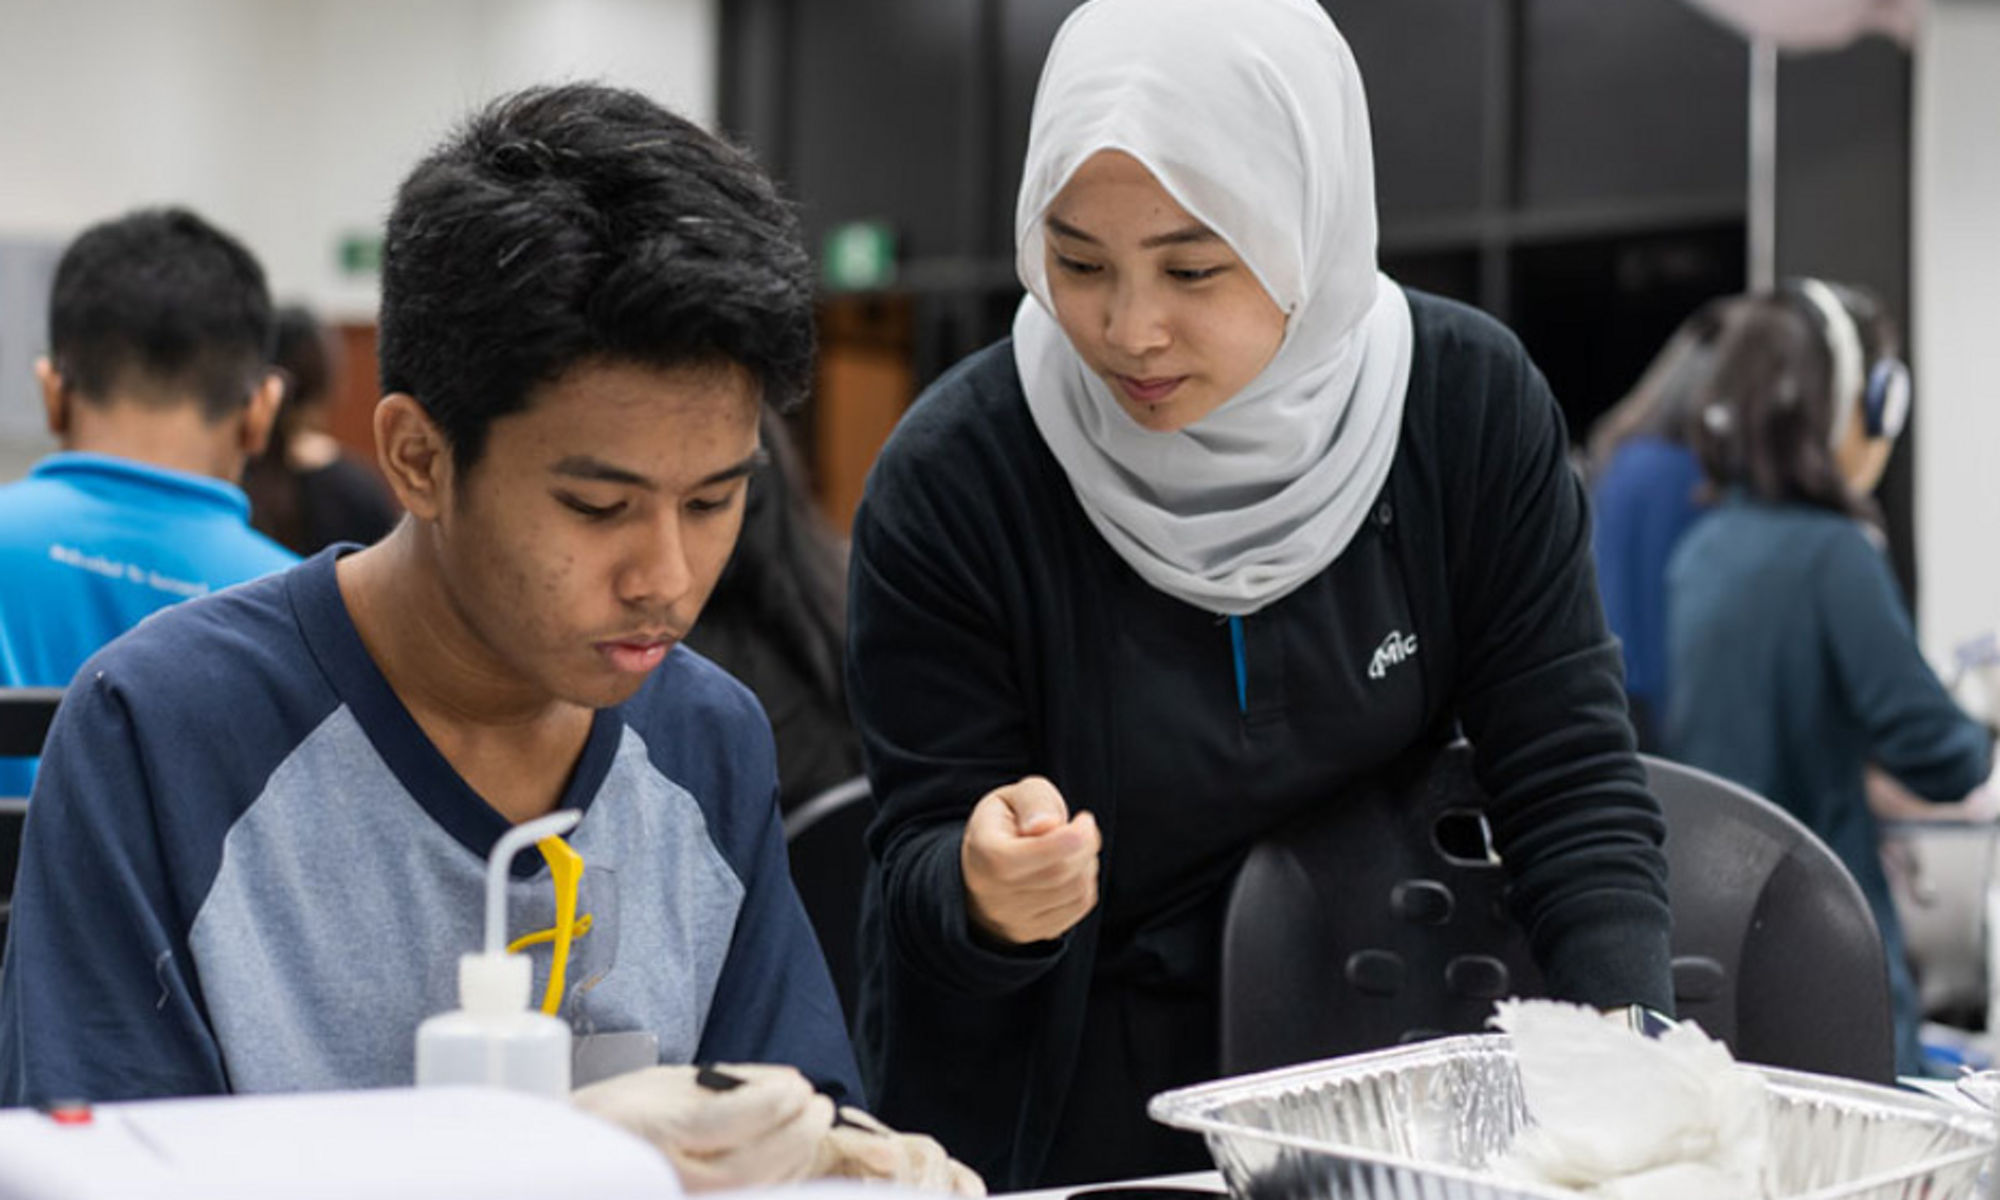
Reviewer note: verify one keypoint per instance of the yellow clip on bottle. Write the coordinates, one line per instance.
(494, 1037)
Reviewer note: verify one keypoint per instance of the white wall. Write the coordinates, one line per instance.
(288, 122)
(1956, 314)
(390, 76)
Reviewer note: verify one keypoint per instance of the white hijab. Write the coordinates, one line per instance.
(1250, 114)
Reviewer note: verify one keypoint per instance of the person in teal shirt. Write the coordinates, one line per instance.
(1794, 666)
(158, 386)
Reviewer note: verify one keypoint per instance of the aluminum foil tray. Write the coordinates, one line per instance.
(1422, 1122)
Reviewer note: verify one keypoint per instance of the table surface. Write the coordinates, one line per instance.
(1206, 1180)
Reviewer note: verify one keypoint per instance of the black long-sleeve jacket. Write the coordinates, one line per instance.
(994, 634)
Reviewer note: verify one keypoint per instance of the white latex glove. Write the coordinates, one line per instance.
(861, 1147)
(765, 1129)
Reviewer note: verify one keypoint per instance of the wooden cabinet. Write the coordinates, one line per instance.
(863, 384)
(350, 411)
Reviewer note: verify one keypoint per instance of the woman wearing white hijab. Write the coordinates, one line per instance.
(1232, 523)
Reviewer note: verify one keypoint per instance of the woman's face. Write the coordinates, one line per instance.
(1155, 302)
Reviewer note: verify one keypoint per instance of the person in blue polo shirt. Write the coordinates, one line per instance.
(159, 385)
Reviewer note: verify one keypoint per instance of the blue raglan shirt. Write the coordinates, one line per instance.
(90, 545)
(246, 869)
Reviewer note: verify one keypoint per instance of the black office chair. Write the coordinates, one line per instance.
(25, 716)
(1776, 951)
(824, 837)
(1327, 951)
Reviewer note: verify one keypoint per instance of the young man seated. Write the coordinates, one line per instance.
(257, 848)
(158, 386)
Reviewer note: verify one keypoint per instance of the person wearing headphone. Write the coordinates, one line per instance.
(1793, 664)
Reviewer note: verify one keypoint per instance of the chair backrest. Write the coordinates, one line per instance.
(1328, 951)
(25, 716)
(13, 819)
(1775, 948)
(825, 838)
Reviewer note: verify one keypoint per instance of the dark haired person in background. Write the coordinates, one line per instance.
(586, 302)
(1793, 664)
(306, 491)
(777, 619)
(158, 385)
(1643, 483)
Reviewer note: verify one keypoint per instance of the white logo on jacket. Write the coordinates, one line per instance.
(1395, 648)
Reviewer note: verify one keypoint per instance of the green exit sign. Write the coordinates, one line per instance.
(859, 256)
(360, 253)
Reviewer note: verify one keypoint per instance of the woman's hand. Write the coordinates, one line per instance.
(1030, 869)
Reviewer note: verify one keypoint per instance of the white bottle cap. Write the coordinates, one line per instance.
(493, 984)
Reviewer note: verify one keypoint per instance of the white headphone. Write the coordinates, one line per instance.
(1881, 389)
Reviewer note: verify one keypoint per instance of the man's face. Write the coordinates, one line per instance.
(584, 542)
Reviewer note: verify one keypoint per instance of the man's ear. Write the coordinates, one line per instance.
(261, 415)
(55, 397)
(413, 454)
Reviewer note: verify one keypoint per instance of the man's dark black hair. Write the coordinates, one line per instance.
(566, 224)
(157, 306)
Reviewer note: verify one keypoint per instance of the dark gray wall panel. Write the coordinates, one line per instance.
(880, 118)
(1424, 63)
(1844, 168)
(1026, 29)
(1844, 210)
(1630, 100)
(755, 65)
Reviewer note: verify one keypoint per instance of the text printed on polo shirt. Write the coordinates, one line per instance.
(1395, 648)
(109, 568)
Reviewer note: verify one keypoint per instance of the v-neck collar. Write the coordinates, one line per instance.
(412, 757)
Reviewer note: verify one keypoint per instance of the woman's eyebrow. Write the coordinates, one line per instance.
(1180, 237)
(1177, 237)
(1059, 226)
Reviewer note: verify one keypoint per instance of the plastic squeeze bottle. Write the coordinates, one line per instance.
(495, 1037)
